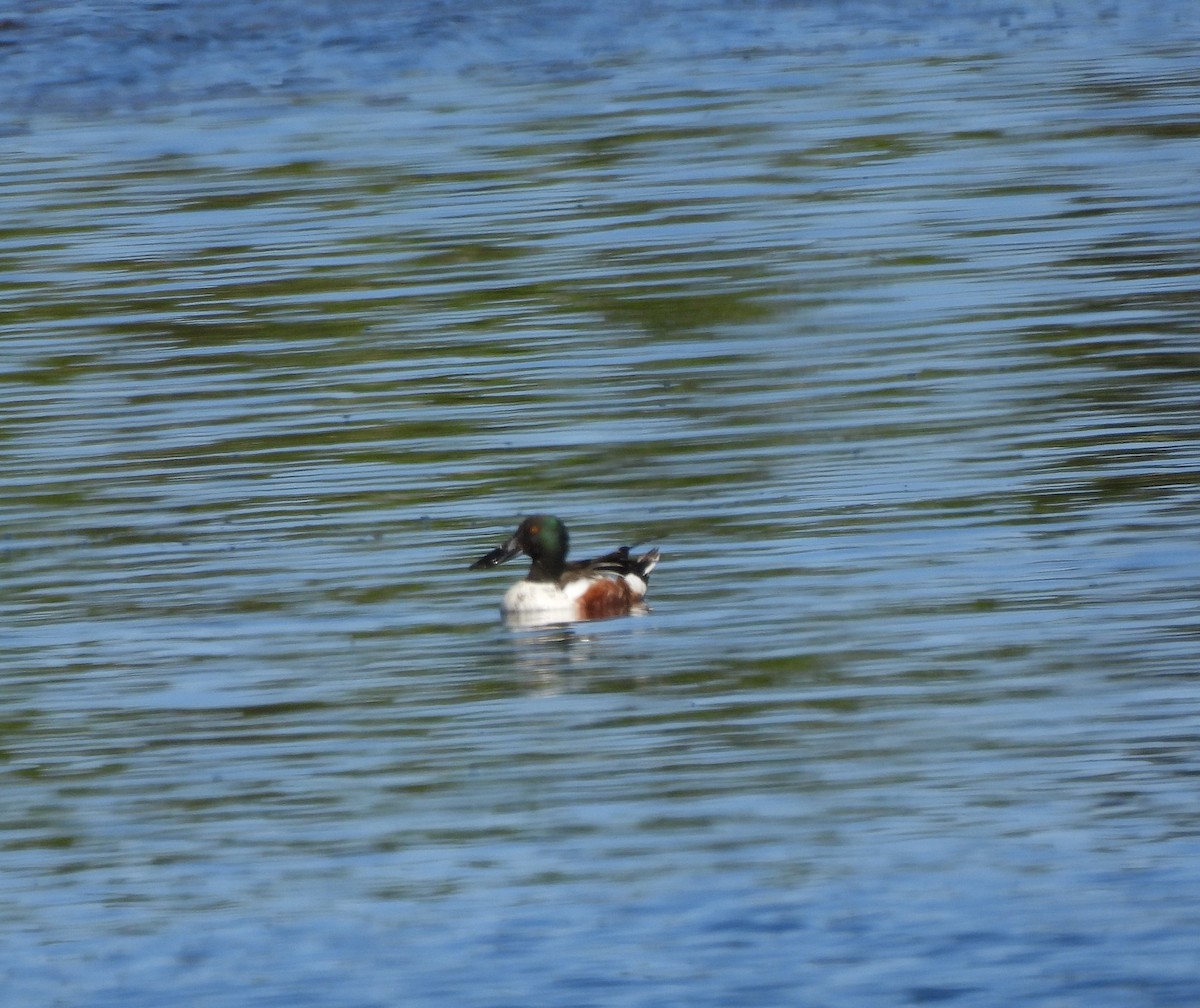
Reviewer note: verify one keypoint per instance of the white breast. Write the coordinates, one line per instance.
(543, 597)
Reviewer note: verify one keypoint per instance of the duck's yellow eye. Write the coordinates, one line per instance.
(535, 529)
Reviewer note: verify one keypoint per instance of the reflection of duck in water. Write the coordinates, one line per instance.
(555, 591)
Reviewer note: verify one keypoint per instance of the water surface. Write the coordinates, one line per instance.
(881, 322)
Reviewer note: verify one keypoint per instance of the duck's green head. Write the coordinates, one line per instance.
(543, 538)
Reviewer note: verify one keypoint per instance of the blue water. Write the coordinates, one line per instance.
(880, 320)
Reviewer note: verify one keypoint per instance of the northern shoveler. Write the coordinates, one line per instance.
(555, 591)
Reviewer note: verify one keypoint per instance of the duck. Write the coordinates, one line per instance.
(556, 590)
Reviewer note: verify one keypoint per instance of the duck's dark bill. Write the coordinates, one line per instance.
(497, 556)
